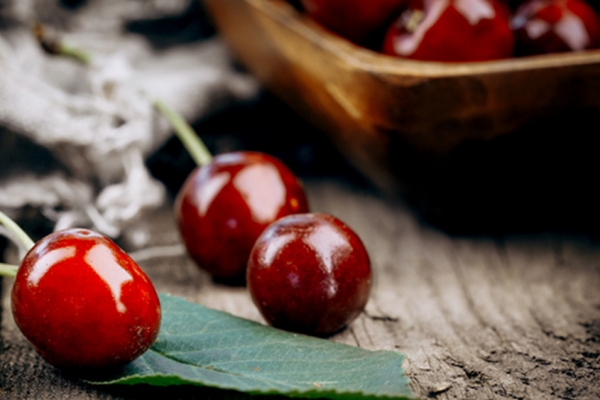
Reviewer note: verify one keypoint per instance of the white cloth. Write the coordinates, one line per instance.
(98, 120)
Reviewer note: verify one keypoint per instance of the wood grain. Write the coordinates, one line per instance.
(512, 316)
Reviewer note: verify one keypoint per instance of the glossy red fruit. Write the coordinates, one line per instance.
(309, 273)
(225, 205)
(356, 20)
(451, 31)
(83, 303)
(552, 26)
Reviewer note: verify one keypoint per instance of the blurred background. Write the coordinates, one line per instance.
(75, 139)
(82, 145)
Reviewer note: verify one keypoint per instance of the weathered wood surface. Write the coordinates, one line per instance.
(480, 316)
(515, 316)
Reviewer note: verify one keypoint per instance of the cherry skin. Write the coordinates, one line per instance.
(83, 303)
(309, 273)
(356, 20)
(451, 31)
(225, 205)
(552, 26)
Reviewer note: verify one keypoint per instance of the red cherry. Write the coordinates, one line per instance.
(356, 20)
(225, 205)
(83, 303)
(551, 26)
(451, 31)
(309, 273)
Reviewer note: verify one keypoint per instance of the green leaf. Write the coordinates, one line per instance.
(200, 346)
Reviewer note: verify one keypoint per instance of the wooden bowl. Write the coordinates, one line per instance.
(376, 107)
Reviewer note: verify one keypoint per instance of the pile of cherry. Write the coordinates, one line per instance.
(461, 30)
(84, 304)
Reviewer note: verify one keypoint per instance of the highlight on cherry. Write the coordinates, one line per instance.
(81, 301)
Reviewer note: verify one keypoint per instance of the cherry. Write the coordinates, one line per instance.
(81, 301)
(309, 273)
(451, 31)
(228, 200)
(551, 26)
(224, 206)
(356, 20)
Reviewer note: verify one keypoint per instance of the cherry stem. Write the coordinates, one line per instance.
(183, 130)
(16, 230)
(8, 270)
(74, 53)
(53, 46)
(186, 134)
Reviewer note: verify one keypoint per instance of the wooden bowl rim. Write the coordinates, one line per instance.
(378, 63)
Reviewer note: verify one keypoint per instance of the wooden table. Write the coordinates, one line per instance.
(508, 315)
